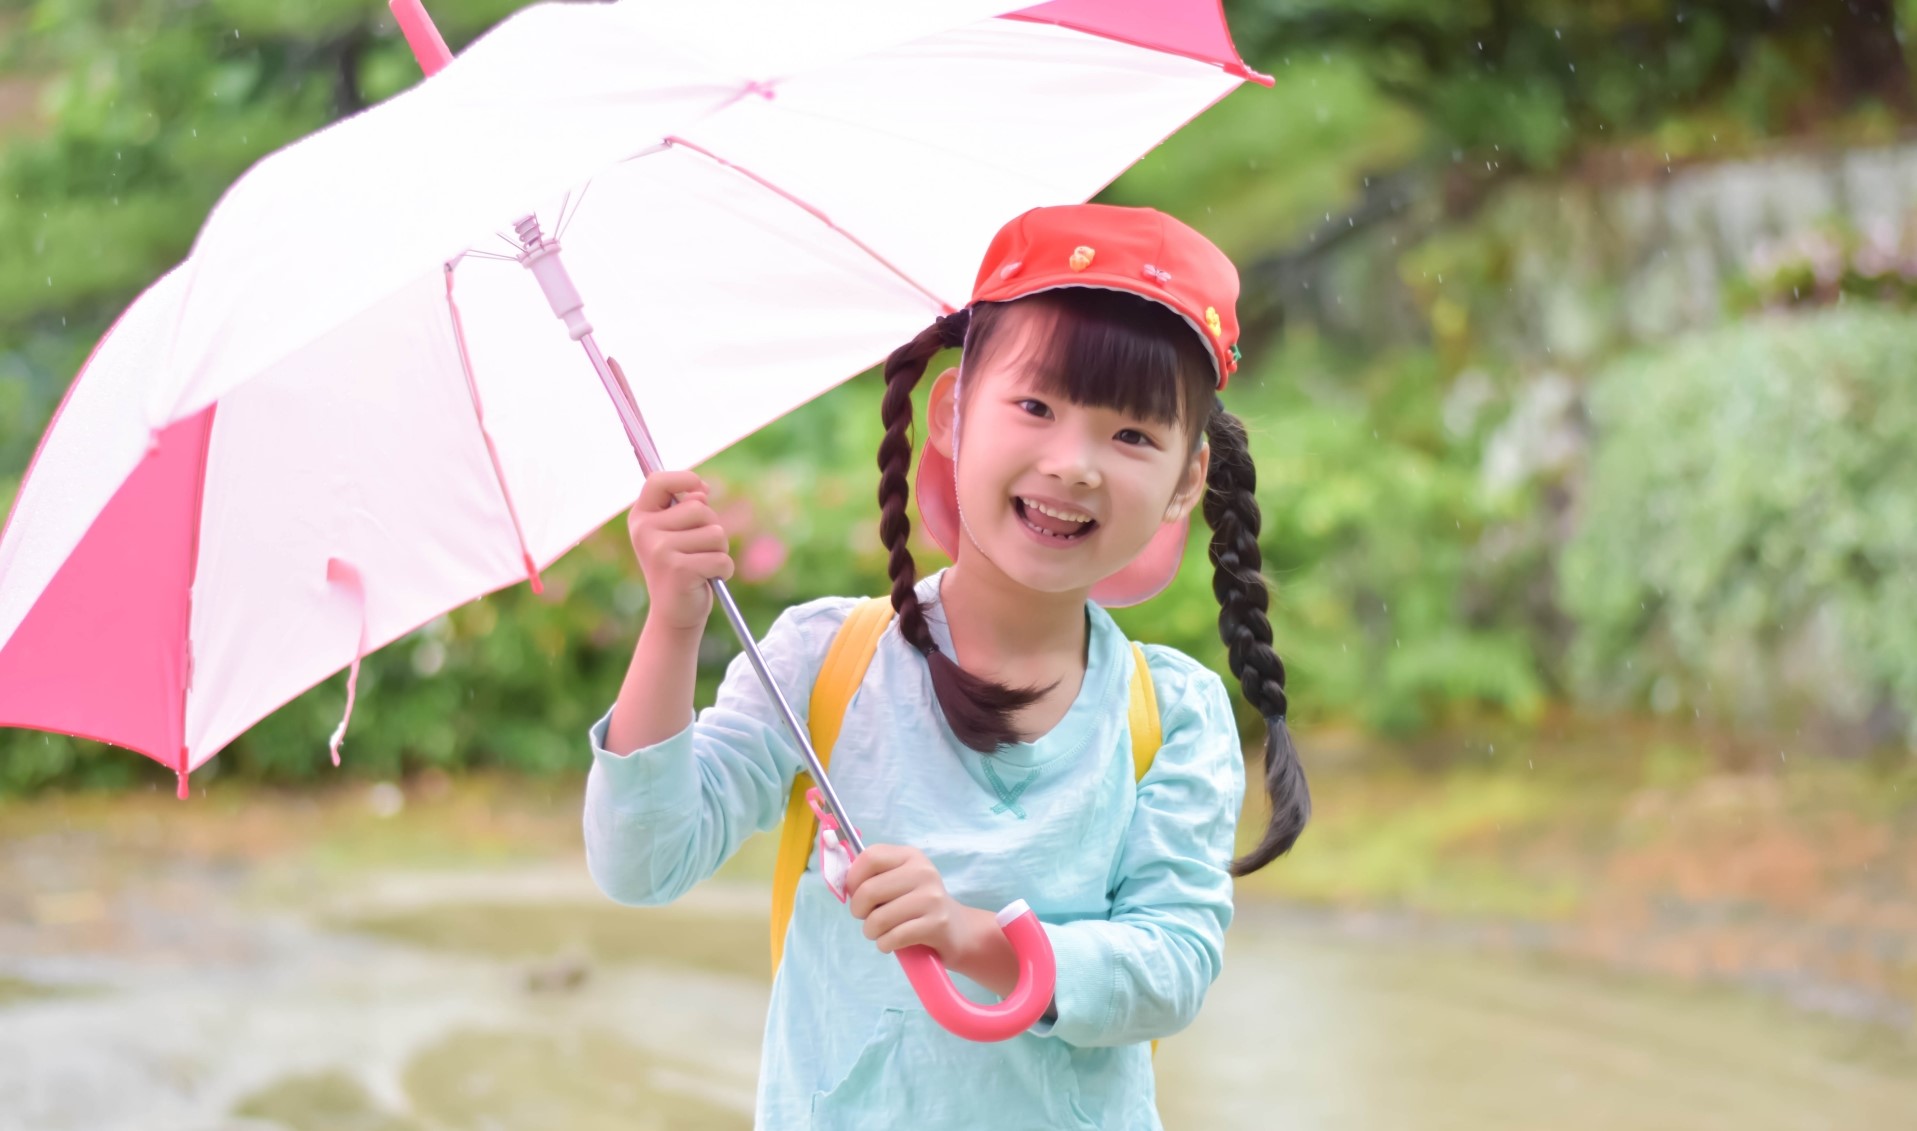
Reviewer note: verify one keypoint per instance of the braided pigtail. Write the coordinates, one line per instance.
(1231, 509)
(978, 710)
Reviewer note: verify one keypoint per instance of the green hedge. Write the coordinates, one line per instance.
(1748, 547)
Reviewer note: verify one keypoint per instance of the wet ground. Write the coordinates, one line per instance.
(370, 981)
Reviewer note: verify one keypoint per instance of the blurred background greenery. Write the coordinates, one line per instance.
(1617, 290)
(1582, 384)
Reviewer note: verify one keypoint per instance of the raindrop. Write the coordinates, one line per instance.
(1574, 68)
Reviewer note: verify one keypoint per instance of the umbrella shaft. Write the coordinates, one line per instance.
(649, 462)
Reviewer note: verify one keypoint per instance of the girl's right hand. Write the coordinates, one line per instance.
(680, 547)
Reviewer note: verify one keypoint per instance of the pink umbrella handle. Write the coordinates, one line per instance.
(963, 1017)
(421, 35)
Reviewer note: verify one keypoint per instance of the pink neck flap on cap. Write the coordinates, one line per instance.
(936, 486)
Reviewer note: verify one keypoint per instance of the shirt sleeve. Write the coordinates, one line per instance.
(666, 816)
(1142, 973)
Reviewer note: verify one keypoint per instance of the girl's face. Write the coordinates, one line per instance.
(1058, 496)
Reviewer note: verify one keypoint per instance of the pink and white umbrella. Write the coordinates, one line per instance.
(350, 409)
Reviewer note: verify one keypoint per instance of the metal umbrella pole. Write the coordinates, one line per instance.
(541, 257)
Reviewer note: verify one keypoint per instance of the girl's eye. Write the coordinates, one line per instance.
(1141, 440)
(1041, 410)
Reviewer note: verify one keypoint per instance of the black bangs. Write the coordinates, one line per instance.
(1103, 349)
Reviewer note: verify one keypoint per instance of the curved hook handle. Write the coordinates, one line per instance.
(963, 1017)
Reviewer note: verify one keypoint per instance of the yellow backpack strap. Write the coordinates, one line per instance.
(839, 676)
(1146, 735)
(1144, 716)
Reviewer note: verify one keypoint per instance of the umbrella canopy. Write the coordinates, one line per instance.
(350, 409)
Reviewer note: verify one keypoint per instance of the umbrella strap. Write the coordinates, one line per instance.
(345, 574)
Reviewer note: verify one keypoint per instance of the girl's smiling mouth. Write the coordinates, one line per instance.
(1051, 523)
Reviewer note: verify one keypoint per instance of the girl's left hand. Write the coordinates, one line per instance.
(903, 902)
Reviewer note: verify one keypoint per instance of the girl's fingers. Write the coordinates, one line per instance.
(661, 486)
(897, 915)
(688, 515)
(879, 890)
(918, 932)
(706, 539)
(875, 859)
(712, 565)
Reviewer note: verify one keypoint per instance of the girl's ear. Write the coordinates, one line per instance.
(942, 412)
(1191, 489)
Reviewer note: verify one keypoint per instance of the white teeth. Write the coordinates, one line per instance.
(1043, 509)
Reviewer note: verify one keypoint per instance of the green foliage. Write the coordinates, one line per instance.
(157, 105)
(1373, 519)
(1528, 83)
(1263, 166)
(1749, 539)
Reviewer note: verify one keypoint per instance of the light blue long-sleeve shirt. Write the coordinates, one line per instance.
(1130, 879)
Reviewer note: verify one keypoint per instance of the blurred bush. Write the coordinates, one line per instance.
(1748, 544)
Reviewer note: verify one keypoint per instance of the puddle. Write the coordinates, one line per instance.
(1309, 1030)
(14, 991)
(505, 1000)
(585, 1080)
(572, 933)
(326, 1101)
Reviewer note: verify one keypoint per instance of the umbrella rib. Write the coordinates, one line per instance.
(817, 214)
(492, 450)
(193, 579)
(565, 219)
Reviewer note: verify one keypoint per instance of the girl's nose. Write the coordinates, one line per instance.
(1070, 460)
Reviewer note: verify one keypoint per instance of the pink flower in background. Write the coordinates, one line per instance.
(761, 558)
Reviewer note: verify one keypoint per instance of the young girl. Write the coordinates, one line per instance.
(986, 754)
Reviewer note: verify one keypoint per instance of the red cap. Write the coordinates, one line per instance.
(1138, 250)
